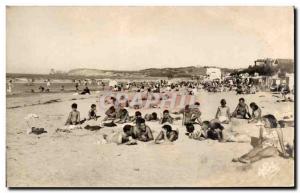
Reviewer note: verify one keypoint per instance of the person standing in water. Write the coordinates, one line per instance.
(10, 86)
(48, 84)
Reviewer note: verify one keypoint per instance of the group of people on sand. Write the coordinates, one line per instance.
(241, 112)
(270, 141)
(139, 131)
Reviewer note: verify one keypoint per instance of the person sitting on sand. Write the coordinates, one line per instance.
(92, 113)
(74, 116)
(194, 115)
(166, 135)
(256, 113)
(143, 131)
(284, 91)
(242, 110)
(151, 117)
(270, 142)
(166, 118)
(122, 115)
(110, 114)
(191, 114)
(223, 112)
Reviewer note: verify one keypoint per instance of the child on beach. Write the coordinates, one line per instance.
(223, 113)
(126, 137)
(92, 113)
(191, 114)
(209, 130)
(256, 113)
(143, 131)
(200, 133)
(196, 113)
(122, 115)
(110, 114)
(166, 118)
(242, 110)
(74, 116)
(215, 131)
(166, 135)
(151, 117)
(136, 116)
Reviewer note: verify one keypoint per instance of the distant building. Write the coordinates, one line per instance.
(274, 62)
(279, 61)
(213, 73)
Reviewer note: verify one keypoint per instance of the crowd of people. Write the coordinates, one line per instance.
(136, 129)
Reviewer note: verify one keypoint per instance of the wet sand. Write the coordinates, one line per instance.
(78, 159)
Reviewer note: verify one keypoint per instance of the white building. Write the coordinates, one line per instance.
(213, 73)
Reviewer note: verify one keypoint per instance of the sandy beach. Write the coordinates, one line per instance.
(56, 159)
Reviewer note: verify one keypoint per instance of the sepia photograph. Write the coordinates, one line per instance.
(150, 96)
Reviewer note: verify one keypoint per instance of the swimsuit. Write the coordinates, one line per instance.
(270, 138)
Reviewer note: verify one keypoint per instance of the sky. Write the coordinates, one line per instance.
(134, 38)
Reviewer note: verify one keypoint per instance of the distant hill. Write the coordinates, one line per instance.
(150, 72)
(262, 67)
(88, 72)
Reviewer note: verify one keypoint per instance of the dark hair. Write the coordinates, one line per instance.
(242, 99)
(173, 134)
(93, 105)
(154, 115)
(112, 108)
(124, 111)
(254, 105)
(138, 113)
(127, 128)
(140, 120)
(167, 127)
(197, 103)
(74, 106)
(215, 125)
(271, 119)
(190, 127)
(223, 101)
(166, 111)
